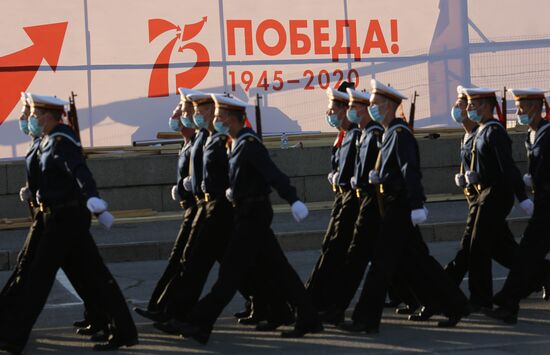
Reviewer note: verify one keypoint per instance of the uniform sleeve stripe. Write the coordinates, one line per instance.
(65, 136)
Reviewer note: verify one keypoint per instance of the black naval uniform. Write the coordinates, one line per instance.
(189, 206)
(499, 181)
(65, 185)
(9, 293)
(367, 224)
(254, 246)
(458, 267)
(399, 244)
(312, 285)
(535, 243)
(93, 313)
(207, 241)
(331, 261)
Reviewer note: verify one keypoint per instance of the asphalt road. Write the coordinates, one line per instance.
(475, 334)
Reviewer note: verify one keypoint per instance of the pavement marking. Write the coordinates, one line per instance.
(63, 305)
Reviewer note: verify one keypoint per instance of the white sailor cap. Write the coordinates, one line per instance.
(25, 99)
(358, 96)
(461, 94)
(185, 92)
(229, 103)
(46, 102)
(335, 95)
(479, 93)
(384, 90)
(528, 94)
(200, 98)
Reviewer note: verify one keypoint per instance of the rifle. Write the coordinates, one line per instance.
(72, 116)
(258, 116)
(504, 109)
(412, 110)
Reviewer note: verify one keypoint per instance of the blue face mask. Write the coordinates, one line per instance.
(456, 114)
(220, 127)
(352, 116)
(34, 128)
(24, 127)
(200, 121)
(187, 122)
(333, 121)
(374, 112)
(174, 125)
(523, 119)
(474, 116)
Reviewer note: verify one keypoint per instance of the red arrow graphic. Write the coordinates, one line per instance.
(18, 69)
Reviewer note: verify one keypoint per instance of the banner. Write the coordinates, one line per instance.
(126, 59)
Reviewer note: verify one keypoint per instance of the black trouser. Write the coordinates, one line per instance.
(66, 242)
(400, 249)
(491, 236)
(359, 253)
(530, 266)
(174, 261)
(211, 231)
(321, 284)
(458, 267)
(312, 284)
(13, 288)
(253, 247)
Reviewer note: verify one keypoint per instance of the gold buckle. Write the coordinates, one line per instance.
(43, 208)
(334, 188)
(467, 192)
(182, 205)
(381, 189)
(358, 193)
(207, 197)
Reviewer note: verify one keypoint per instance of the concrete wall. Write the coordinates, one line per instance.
(135, 182)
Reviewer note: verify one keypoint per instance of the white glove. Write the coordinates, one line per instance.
(299, 211)
(528, 180)
(460, 180)
(471, 177)
(174, 193)
(96, 205)
(353, 182)
(374, 178)
(527, 206)
(229, 194)
(335, 177)
(329, 177)
(419, 216)
(25, 194)
(106, 219)
(187, 185)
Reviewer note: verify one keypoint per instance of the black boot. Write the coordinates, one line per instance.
(273, 324)
(358, 327)
(506, 315)
(155, 316)
(245, 313)
(89, 330)
(300, 330)
(333, 317)
(81, 323)
(424, 315)
(406, 310)
(114, 343)
(199, 334)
